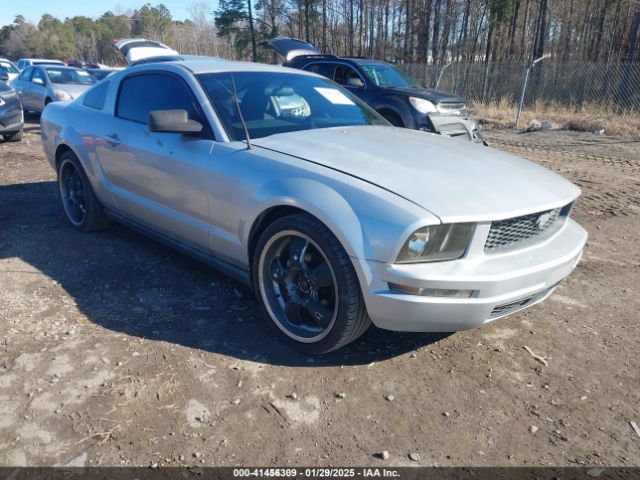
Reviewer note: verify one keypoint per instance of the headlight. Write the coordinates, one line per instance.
(437, 243)
(422, 105)
(7, 94)
(62, 95)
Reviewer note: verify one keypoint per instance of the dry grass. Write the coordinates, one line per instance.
(500, 115)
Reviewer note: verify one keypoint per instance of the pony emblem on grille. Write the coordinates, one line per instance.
(543, 219)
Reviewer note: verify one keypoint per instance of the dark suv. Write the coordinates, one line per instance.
(403, 102)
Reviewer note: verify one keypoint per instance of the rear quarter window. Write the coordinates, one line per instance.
(96, 96)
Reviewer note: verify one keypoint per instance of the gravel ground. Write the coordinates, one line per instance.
(115, 350)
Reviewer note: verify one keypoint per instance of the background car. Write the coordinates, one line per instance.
(399, 99)
(82, 64)
(100, 73)
(28, 62)
(8, 71)
(334, 217)
(11, 116)
(41, 85)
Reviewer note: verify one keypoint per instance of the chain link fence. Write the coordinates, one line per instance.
(552, 84)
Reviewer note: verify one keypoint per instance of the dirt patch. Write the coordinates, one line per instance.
(118, 351)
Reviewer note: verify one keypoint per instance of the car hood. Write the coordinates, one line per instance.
(457, 181)
(435, 96)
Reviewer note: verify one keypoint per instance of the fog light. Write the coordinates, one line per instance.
(434, 292)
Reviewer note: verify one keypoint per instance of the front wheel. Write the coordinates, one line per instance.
(307, 286)
(393, 118)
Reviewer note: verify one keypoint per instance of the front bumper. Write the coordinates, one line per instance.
(505, 283)
(456, 126)
(11, 119)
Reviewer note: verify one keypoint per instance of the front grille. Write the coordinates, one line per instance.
(451, 107)
(511, 307)
(522, 231)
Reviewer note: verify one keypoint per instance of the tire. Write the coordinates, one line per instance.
(306, 285)
(13, 137)
(393, 118)
(79, 202)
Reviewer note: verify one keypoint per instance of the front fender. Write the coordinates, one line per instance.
(319, 200)
(397, 106)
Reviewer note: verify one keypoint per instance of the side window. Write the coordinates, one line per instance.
(324, 69)
(26, 74)
(345, 75)
(21, 64)
(141, 94)
(96, 96)
(38, 73)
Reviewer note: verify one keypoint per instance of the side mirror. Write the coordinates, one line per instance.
(172, 121)
(38, 81)
(355, 82)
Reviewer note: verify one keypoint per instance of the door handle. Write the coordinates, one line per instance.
(113, 140)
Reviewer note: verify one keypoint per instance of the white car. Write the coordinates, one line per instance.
(30, 62)
(8, 71)
(335, 218)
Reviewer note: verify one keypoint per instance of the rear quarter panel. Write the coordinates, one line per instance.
(76, 127)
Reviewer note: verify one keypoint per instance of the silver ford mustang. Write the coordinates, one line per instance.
(287, 182)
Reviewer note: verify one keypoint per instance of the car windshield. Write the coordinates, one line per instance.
(274, 103)
(383, 75)
(6, 67)
(69, 76)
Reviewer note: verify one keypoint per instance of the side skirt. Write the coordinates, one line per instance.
(239, 274)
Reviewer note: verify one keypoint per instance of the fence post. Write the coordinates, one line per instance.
(524, 87)
(440, 75)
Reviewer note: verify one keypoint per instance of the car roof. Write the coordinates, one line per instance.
(42, 60)
(201, 64)
(56, 66)
(334, 58)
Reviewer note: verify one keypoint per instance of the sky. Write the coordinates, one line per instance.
(32, 10)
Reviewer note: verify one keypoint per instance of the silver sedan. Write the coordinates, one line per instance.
(290, 184)
(40, 85)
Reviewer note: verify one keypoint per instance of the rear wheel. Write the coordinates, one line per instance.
(82, 208)
(13, 137)
(307, 286)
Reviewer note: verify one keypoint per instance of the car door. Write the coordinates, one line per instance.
(38, 89)
(346, 76)
(22, 85)
(157, 179)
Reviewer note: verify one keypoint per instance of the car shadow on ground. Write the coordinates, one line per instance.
(128, 283)
(32, 123)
